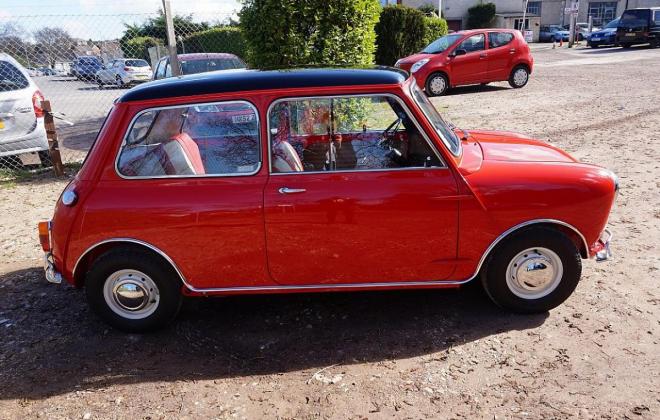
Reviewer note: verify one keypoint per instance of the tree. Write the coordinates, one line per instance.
(399, 33)
(286, 33)
(428, 9)
(481, 15)
(155, 28)
(53, 44)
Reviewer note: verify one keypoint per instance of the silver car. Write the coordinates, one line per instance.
(123, 72)
(21, 117)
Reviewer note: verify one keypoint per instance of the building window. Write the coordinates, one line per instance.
(534, 8)
(517, 24)
(602, 12)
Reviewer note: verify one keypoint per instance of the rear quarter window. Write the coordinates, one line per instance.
(499, 39)
(11, 78)
(211, 139)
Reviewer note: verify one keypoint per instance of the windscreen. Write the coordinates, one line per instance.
(634, 18)
(441, 44)
(210, 64)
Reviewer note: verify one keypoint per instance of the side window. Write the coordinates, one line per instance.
(657, 17)
(197, 140)
(168, 69)
(160, 70)
(346, 134)
(499, 39)
(473, 43)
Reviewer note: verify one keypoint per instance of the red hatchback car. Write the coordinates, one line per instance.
(471, 57)
(315, 180)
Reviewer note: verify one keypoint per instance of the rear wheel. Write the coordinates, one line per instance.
(133, 290)
(45, 159)
(626, 45)
(533, 271)
(119, 82)
(519, 77)
(99, 82)
(437, 84)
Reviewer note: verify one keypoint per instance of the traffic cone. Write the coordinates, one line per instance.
(561, 42)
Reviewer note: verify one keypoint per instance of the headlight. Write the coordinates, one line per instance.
(418, 65)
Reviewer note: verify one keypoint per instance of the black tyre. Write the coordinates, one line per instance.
(133, 290)
(594, 45)
(44, 158)
(533, 271)
(119, 82)
(437, 84)
(99, 82)
(626, 46)
(519, 77)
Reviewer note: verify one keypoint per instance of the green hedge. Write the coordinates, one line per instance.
(138, 47)
(481, 16)
(434, 29)
(403, 31)
(226, 39)
(288, 33)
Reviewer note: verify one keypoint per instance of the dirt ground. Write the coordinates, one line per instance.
(441, 354)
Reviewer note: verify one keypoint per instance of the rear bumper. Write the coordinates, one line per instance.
(52, 275)
(32, 142)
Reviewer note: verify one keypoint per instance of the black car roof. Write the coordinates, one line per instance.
(226, 81)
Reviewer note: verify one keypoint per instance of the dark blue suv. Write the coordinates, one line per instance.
(85, 68)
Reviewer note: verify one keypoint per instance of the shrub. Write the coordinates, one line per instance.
(434, 29)
(428, 9)
(138, 47)
(400, 32)
(288, 33)
(481, 15)
(225, 39)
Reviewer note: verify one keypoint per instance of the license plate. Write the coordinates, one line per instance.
(2, 125)
(631, 34)
(239, 119)
(595, 38)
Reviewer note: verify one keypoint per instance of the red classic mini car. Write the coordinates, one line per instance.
(315, 180)
(471, 57)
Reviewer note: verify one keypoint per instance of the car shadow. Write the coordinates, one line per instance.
(613, 49)
(53, 344)
(463, 90)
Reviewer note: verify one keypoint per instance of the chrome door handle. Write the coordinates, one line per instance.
(483, 55)
(512, 50)
(285, 190)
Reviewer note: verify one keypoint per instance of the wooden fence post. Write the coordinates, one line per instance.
(53, 146)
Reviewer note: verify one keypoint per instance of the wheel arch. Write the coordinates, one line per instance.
(90, 255)
(439, 71)
(521, 63)
(567, 229)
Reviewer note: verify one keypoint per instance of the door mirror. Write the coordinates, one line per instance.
(458, 52)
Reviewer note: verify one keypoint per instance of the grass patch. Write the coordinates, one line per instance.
(11, 177)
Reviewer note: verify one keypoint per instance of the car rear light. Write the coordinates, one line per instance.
(37, 97)
(127, 69)
(44, 235)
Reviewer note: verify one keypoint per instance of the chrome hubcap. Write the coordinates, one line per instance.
(520, 77)
(534, 273)
(437, 85)
(131, 294)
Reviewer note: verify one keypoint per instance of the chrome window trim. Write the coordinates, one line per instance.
(446, 143)
(233, 101)
(485, 254)
(360, 95)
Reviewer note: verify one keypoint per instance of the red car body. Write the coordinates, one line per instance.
(491, 60)
(348, 230)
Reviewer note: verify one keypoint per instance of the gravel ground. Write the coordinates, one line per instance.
(447, 354)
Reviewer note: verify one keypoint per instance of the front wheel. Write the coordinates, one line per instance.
(133, 290)
(519, 77)
(45, 159)
(437, 84)
(534, 271)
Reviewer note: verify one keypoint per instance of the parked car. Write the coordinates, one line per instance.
(32, 72)
(47, 71)
(124, 72)
(471, 57)
(21, 116)
(85, 68)
(351, 180)
(553, 33)
(639, 26)
(605, 36)
(199, 63)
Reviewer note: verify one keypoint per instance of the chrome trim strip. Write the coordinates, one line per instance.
(235, 101)
(361, 95)
(331, 286)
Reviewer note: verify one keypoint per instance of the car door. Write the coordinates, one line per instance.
(357, 194)
(501, 52)
(471, 67)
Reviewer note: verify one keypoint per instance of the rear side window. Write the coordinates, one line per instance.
(499, 39)
(202, 66)
(11, 78)
(215, 139)
(657, 17)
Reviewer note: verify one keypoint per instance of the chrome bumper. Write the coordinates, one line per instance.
(605, 253)
(52, 275)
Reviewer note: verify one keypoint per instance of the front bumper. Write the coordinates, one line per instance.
(52, 275)
(602, 246)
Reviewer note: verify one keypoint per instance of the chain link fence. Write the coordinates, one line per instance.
(81, 64)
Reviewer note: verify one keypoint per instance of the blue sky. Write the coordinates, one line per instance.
(103, 19)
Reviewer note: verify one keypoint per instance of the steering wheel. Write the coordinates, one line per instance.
(386, 136)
